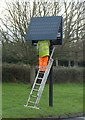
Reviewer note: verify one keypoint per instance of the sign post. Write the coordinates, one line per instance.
(51, 83)
(51, 88)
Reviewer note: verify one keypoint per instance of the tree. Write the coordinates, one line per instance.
(73, 27)
(18, 18)
(16, 23)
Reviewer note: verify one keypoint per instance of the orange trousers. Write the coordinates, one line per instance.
(43, 62)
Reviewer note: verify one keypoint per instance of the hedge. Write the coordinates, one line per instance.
(21, 73)
(15, 73)
(66, 74)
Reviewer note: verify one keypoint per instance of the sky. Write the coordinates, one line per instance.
(3, 4)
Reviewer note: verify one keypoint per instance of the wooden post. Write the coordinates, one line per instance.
(32, 74)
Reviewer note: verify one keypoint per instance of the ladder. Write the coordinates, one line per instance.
(39, 84)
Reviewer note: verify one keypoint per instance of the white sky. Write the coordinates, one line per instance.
(3, 3)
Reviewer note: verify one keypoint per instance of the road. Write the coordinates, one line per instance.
(75, 118)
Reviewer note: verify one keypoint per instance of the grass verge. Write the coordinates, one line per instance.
(67, 99)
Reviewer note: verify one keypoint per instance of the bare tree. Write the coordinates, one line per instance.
(16, 23)
(16, 20)
(73, 27)
(19, 14)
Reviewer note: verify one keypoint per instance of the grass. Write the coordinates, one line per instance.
(68, 99)
(0, 100)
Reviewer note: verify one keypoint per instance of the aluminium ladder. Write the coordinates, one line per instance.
(39, 84)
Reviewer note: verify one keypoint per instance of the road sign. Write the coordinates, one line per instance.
(45, 28)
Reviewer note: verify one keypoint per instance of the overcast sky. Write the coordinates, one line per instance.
(3, 3)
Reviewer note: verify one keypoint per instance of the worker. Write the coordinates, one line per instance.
(43, 52)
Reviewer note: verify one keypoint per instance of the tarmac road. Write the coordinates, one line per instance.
(76, 118)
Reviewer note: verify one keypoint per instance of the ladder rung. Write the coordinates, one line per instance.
(37, 84)
(34, 96)
(35, 107)
(39, 78)
(36, 90)
(41, 72)
(31, 102)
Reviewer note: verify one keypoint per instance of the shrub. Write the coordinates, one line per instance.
(15, 72)
(65, 74)
(23, 73)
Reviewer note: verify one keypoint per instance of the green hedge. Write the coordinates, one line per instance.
(15, 73)
(65, 74)
(21, 73)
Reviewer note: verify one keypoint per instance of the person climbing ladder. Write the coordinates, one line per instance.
(43, 53)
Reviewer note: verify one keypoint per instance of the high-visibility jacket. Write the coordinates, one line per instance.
(43, 48)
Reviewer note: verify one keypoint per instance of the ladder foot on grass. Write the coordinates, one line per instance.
(31, 107)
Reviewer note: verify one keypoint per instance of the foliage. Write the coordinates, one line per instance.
(67, 100)
(21, 72)
(15, 73)
(65, 74)
(19, 52)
